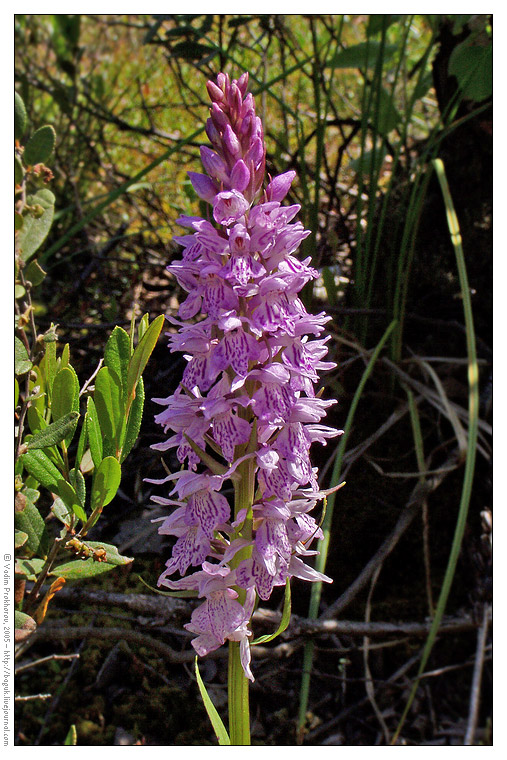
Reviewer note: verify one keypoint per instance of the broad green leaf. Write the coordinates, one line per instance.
(117, 354)
(71, 738)
(109, 402)
(19, 117)
(38, 464)
(93, 432)
(472, 65)
(62, 512)
(24, 626)
(216, 720)
(86, 568)
(40, 146)
(29, 521)
(70, 498)
(142, 354)
(36, 421)
(284, 622)
(28, 568)
(22, 363)
(20, 538)
(65, 393)
(134, 422)
(106, 482)
(54, 433)
(35, 229)
(34, 273)
(364, 55)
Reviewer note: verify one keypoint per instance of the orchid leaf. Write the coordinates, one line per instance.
(284, 622)
(216, 720)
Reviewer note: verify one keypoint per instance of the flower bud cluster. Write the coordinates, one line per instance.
(247, 394)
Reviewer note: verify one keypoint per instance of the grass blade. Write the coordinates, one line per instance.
(216, 720)
(473, 406)
(320, 563)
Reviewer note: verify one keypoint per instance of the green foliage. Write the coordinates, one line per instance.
(19, 117)
(216, 720)
(48, 400)
(40, 146)
(37, 221)
(472, 65)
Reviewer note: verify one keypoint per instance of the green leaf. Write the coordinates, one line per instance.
(364, 55)
(71, 738)
(81, 444)
(19, 116)
(117, 354)
(187, 594)
(65, 393)
(108, 399)
(36, 421)
(105, 482)
(216, 720)
(472, 65)
(20, 538)
(18, 176)
(54, 433)
(65, 357)
(28, 568)
(284, 622)
(29, 521)
(35, 230)
(22, 363)
(70, 498)
(24, 626)
(142, 354)
(34, 273)
(40, 146)
(87, 568)
(378, 21)
(62, 512)
(93, 432)
(16, 392)
(48, 366)
(134, 423)
(38, 464)
(78, 483)
(144, 323)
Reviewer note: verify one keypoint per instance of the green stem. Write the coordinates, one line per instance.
(238, 683)
(239, 712)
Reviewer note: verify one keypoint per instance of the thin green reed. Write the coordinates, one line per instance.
(473, 419)
(321, 560)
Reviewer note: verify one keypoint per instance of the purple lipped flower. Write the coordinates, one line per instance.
(246, 407)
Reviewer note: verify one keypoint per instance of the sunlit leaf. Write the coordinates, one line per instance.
(106, 482)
